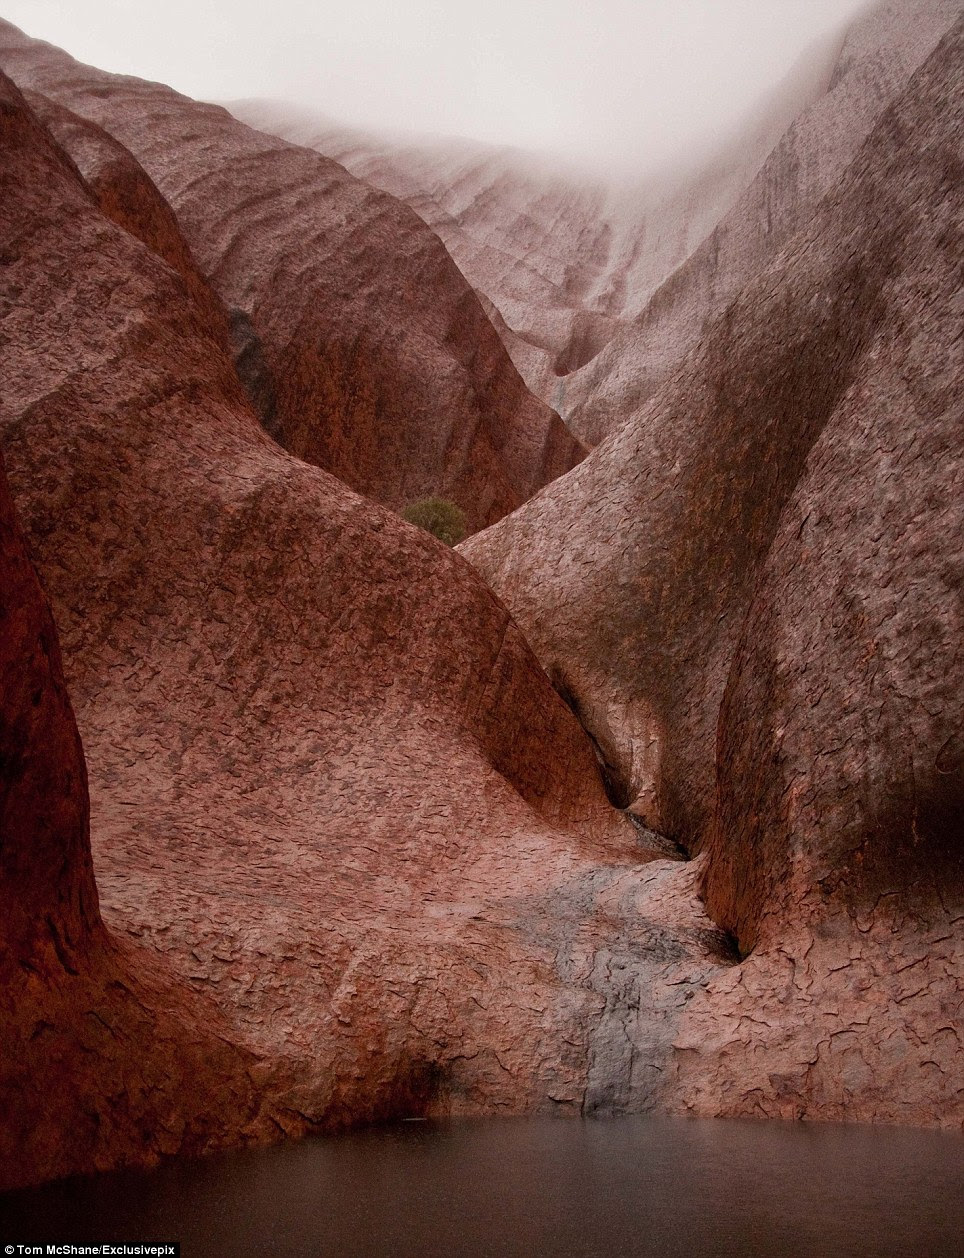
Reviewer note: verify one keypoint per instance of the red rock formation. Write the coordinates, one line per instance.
(361, 344)
(633, 575)
(849, 662)
(561, 258)
(879, 55)
(47, 887)
(125, 195)
(104, 1058)
(333, 793)
(353, 851)
(751, 594)
(603, 290)
(836, 853)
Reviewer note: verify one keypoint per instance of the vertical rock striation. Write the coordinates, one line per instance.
(751, 594)
(881, 52)
(353, 853)
(342, 825)
(561, 258)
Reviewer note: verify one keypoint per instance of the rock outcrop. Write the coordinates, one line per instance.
(751, 595)
(878, 57)
(334, 798)
(104, 1056)
(362, 346)
(561, 258)
(125, 195)
(354, 855)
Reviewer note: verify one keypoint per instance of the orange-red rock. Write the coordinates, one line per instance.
(751, 594)
(886, 44)
(332, 791)
(103, 1058)
(362, 346)
(124, 194)
(352, 850)
(561, 258)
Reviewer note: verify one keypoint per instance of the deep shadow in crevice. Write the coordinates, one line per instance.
(253, 372)
(614, 782)
(723, 944)
(664, 844)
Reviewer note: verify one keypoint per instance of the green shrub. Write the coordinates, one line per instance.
(439, 517)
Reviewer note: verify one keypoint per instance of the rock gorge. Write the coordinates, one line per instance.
(361, 345)
(647, 798)
(766, 644)
(600, 288)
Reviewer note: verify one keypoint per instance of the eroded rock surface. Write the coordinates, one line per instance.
(353, 850)
(104, 1057)
(361, 344)
(881, 52)
(561, 258)
(333, 793)
(125, 195)
(601, 289)
(751, 594)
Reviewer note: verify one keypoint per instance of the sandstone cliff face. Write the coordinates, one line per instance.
(103, 1058)
(878, 57)
(751, 595)
(599, 291)
(362, 346)
(49, 898)
(333, 794)
(353, 852)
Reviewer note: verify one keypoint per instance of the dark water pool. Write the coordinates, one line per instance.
(535, 1189)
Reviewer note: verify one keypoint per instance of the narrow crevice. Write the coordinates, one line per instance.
(254, 373)
(664, 844)
(613, 780)
(725, 946)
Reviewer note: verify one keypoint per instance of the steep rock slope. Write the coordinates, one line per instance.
(560, 257)
(363, 347)
(103, 1057)
(124, 194)
(635, 570)
(879, 55)
(334, 796)
(752, 596)
(332, 792)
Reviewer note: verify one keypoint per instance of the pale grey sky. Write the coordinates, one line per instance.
(637, 80)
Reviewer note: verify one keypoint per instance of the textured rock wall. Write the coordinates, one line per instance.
(881, 52)
(335, 801)
(752, 596)
(560, 257)
(837, 850)
(840, 749)
(103, 1059)
(362, 346)
(125, 195)
(49, 898)
(353, 853)
(634, 574)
